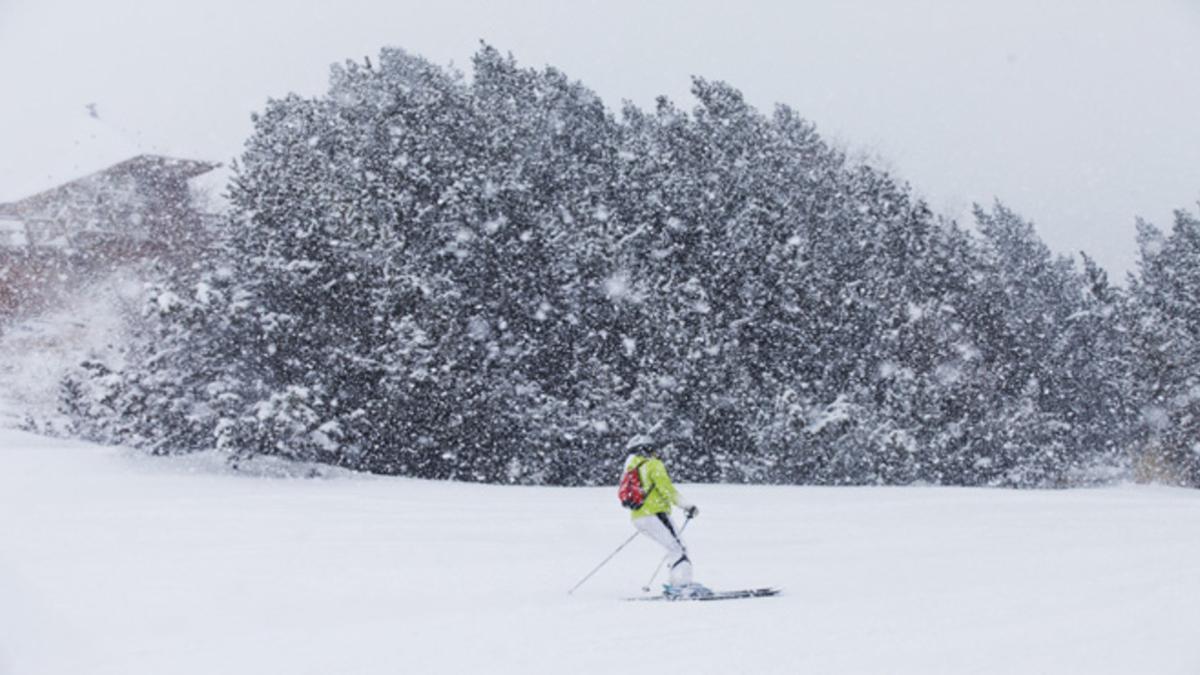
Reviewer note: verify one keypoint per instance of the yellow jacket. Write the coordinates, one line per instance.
(661, 494)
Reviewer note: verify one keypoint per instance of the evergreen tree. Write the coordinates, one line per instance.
(496, 279)
(1166, 317)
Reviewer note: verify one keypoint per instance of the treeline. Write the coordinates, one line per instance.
(499, 279)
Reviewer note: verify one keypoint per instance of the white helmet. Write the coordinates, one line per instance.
(639, 441)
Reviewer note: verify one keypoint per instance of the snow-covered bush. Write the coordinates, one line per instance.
(498, 279)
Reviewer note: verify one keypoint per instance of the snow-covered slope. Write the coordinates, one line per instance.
(111, 562)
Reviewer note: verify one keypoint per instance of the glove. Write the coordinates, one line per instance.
(692, 511)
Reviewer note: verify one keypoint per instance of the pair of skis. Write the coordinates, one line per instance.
(708, 595)
(716, 595)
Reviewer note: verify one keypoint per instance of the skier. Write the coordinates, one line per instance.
(653, 516)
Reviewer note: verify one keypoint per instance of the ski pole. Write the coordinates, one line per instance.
(603, 562)
(646, 588)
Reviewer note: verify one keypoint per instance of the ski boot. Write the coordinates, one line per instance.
(689, 591)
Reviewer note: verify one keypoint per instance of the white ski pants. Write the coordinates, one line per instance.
(660, 528)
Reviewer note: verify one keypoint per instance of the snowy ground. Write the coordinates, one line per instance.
(113, 563)
(116, 563)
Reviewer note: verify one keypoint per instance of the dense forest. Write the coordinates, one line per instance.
(496, 278)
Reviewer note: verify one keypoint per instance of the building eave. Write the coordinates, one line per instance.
(185, 169)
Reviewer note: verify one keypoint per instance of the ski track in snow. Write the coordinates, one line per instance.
(116, 563)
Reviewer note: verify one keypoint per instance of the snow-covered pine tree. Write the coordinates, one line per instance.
(496, 279)
(1166, 323)
(1049, 339)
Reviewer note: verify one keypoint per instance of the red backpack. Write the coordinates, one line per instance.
(630, 492)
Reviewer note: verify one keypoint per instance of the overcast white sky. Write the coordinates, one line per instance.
(1080, 115)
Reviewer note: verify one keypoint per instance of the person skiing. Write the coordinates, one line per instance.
(652, 516)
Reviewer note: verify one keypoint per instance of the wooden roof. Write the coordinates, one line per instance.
(140, 166)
